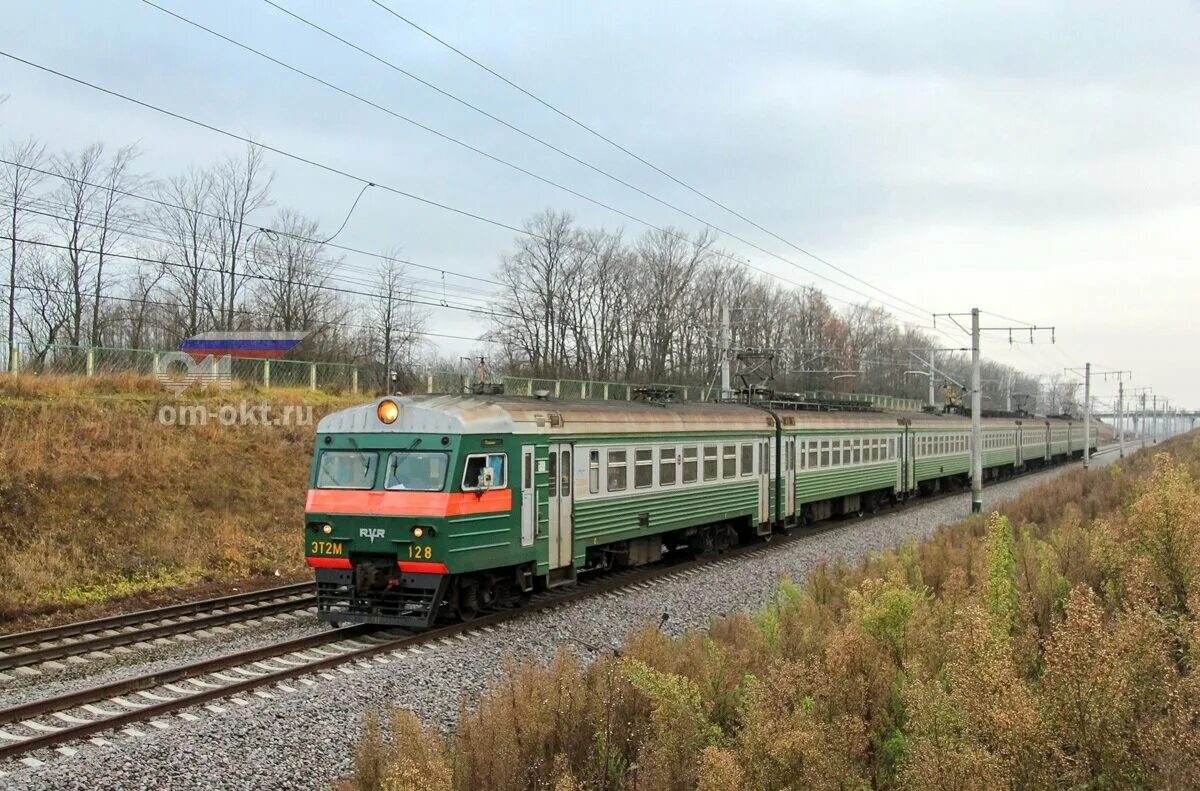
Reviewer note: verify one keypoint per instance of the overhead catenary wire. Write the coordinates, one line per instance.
(339, 171)
(237, 311)
(592, 131)
(222, 218)
(541, 141)
(128, 232)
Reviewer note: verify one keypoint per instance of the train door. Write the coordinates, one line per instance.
(529, 510)
(1049, 449)
(1019, 458)
(560, 499)
(764, 485)
(789, 478)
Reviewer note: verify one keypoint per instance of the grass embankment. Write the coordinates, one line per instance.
(100, 500)
(1057, 653)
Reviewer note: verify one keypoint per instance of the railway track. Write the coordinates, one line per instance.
(268, 671)
(23, 651)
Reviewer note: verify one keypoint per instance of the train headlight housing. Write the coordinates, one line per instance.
(327, 528)
(418, 531)
(387, 411)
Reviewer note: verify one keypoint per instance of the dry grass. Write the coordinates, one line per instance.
(100, 500)
(1055, 653)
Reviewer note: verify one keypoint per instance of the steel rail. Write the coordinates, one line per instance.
(140, 634)
(17, 639)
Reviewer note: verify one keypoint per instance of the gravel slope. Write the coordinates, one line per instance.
(304, 739)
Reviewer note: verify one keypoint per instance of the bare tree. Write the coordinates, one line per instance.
(50, 306)
(398, 321)
(240, 186)
(77, 172)
(183, 215)
(18, 182)
(532, 277)
(667, 263)
(111, 215)
(293, 290)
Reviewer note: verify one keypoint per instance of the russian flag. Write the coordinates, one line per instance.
(267, 345)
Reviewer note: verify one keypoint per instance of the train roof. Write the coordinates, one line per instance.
(509, 414)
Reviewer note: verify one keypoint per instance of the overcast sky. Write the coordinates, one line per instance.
(1038, 160)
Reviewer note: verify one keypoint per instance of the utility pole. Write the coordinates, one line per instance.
(977, 394)
(1087, 414)
(1008, 377)
(976, 420)
(932, 400)
(726, 343)
(1154, 417)
(1121, 418)
(1142, 433)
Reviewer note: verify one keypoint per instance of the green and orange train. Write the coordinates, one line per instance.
(452, 504)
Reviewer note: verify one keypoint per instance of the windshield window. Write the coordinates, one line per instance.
(347, 469)
(421, 472)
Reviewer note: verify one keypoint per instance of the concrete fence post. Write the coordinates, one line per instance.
(154, 363)
(628, 392)
(312, 376)
(583, 391)
(266, 373)
(429, 382)
(90, 365)
(606, 391)
(354, 380)
(557, 388)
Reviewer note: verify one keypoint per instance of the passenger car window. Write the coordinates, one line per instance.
(417, 472)
(346, 469)
(690, 465)
(643, 468)
(666, 466)
(710, 462)
(485, 471)
(594, 471)
(729, 461)
(618, 473)
(747, 459)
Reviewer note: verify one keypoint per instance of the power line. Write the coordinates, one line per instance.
(647, 163)
(538, 140)
(126, 231)
(240, 311)
(222, 218)
(338, 171)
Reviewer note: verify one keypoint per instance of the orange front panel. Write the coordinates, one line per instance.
(375, 503)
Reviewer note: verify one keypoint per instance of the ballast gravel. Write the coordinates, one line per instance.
(306, 739)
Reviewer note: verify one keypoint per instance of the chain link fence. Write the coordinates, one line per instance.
(63, 360)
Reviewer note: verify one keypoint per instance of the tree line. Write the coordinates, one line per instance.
(589, 303)
(102, 254)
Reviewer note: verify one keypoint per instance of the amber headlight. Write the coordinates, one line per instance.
(327, 529)
(418, 531)
(387, 411)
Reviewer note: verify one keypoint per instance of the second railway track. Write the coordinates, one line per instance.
(22, 651)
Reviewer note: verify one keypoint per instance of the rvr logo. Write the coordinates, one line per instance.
(371, 533)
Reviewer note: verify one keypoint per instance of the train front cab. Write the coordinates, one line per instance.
(400, 527)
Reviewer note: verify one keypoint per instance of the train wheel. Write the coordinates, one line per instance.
(466, 602)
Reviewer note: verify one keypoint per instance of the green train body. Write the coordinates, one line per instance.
(467, 502)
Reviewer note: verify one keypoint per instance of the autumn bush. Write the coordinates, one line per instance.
(1050, 645)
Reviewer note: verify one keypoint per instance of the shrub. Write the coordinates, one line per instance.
(1058, 655)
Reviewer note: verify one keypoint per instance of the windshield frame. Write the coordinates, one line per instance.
(387, 473)
(372, 472)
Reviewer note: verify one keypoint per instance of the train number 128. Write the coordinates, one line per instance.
(419, 553)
